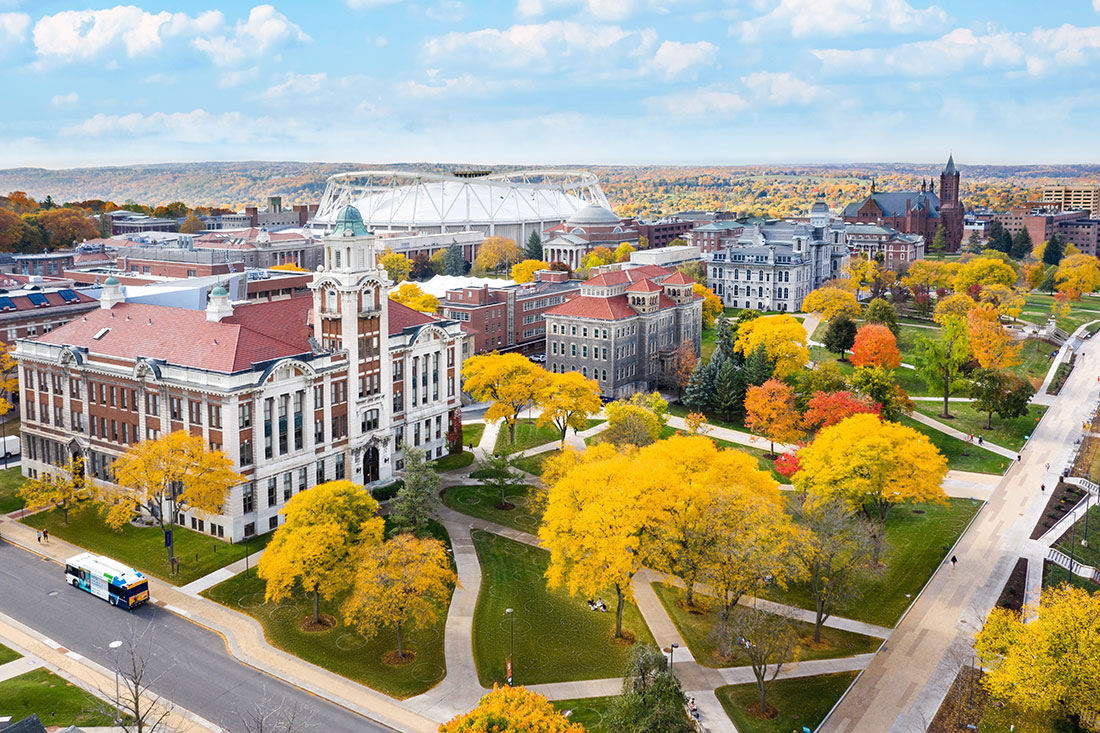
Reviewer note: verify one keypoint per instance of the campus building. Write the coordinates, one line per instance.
(624, 327)
(296, 391)
(591, 227)
(889, 246)
(1084, 197)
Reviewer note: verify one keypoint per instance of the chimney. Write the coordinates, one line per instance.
(218, 307)
(111, 293)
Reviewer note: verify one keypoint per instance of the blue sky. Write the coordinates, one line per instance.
(550, 81)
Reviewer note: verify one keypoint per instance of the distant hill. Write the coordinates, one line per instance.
(634, 189)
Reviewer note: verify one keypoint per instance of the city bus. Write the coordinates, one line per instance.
(107, 579)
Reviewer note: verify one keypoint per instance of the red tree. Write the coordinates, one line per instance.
(876, 346)
(828, 408)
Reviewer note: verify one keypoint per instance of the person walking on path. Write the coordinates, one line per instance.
(46, 535)
(39, 533)
(953, 561)
(1043, 488)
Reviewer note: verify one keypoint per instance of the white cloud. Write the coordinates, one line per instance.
(74, 35)
(197, 126)
(446, 11)
(1096, 5)
(674, 59)
(13, 27)
(358, 4)
(465, 85)
(65, 100)
(698, 104)
(804, 18)
(265, 29)
(237, 77)
(781, 89)
(962, 50)
(602, 9)
(552, 44)
(296, 85)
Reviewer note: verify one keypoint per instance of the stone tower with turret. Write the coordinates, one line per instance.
(951, 208)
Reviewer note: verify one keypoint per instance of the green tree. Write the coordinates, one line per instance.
(758, 368)
(940, 361)
(453, 262)
(700, 391)
(652, 700)
(412, 505)
(533, 250)
(998, 237)
(725, 336)
(729, 390)
(878, 384)
(939, 240)
(1054, 250)
(497, 472)
(840, 334)
(1021, 245)
(974, 243)
(1049, 280)
(880, 312)
(1002, 393)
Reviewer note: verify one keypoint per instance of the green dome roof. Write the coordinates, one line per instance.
(112, 280)
(219, 291)
(349, 223)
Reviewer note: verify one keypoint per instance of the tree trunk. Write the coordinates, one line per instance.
(400, 645)
(946, 393)
(564, 431)
(512, 432)
(989, 422)
(64, 507)
(690, 593)
(316, 606)
(819, 620)
(763, 693)
(619, 613)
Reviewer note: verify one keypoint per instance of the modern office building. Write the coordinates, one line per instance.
(1082, 197)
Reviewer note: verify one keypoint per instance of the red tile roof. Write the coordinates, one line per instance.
(643, 286)
(605, 309)
(402, 316)
(23, 302)
(678, 278)
(633, 274)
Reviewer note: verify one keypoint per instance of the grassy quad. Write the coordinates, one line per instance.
(697, 626)
(10, 481)
(341, 649)
(143, 547)
(530, 435)
(591, 712)
(1007, 433)
(960, 456)
(1037, 310)
(472, 432)
(480, 501)
(56, 701)
(453, 461)
(533, 464)
(800, 702)
(918, 539)
(1071, 545)
(8, 655)
(557, 639)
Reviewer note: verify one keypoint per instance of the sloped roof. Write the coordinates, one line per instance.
(402, 316)
(678, 278)
(605, 309)
(632, 274)
(643, 286)
(893, 203)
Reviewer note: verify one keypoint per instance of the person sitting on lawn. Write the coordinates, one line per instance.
(601, 606)
(591, 605)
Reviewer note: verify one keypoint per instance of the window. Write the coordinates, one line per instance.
(318, 432)
(152, 403)
(370, 420)
(438, 427)
(272, 491)
(122, 398)
(249, 529)
(339, 392)
(175, 405)
(398, 401)
(246, 452)
(288, 485)
(321, 471)
(112, 395)
(340, 469)
(299, 406)
(194, 412)
(303, 478)
(248, 499)
(74, 388)
(398, 369)
(215, 416)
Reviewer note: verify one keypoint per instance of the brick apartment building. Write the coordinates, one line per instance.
(1074, 227)
(296, 391)
(659, 232)
(512, 317)
(27, 313)
(1083, 197)
(715, 235)
(873, 241)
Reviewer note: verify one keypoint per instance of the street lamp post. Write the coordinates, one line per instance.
(113, 646)
(511, 643)
(671, 653)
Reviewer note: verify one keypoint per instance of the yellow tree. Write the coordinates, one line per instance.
(412, 295)
(524, 272)
(399, 583)
(9, 378)
(288, 267)
(511, 381)
(829, 301)
(1050, 665)
(990, 342)
(168, 475)
(953, 306)
(623, 252)
(984, 271)
(770, 411)
(1008, 301)
(929, 275)
(712, 304)
(597, 515)
(862, 272)
(497, 253)
(1078, 274)
(1033, 274)
(567, 401)
(65, 490)
(316, 544)
(512, 710)
(397, 266)
(783, 339)
(872, 465)
(637, 421)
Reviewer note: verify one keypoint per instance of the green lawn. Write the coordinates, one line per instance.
(908, 335)
(143, 547)
(8, 655)
(590, 712)
(737, 423)
(56, 701)
(556, 637)
(10, 481)
(472, 432)
(530, 435)
(1056, 575)
(1035, 361)
(1037, 310)
(707, 344)
(697, 628)
(960, 456)
(916, 544)
(1088, 555)
(911, 382)
(800, 702)
(453, 461)
(479, 501)
(533, 464)
(341, 649)
(1007, 433)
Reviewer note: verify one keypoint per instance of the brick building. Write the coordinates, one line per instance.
(1082, 197)
(591, 227)
(27, 313)
(262, 248)
(660, 232)
(1042, 222)
(623, 328)
(714, 236)
(509, 318)
(874, 241)
(296, 391)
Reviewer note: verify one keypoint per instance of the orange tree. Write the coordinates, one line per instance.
(770, 411)
(875, 345)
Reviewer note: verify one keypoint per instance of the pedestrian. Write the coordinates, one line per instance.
(981, 440)
(1043, 488)
(953, 561)
(1048, 466)
(40, 537)
(1018, 457)
(46, 535)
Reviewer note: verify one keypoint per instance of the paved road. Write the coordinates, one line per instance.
(191, 665)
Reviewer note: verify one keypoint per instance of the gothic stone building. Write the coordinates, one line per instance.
(624, 327)
(916, 212)
(296, 392)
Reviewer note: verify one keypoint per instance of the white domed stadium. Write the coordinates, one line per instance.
(509, 205)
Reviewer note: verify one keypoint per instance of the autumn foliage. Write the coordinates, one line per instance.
(825, 409)
(512, 710)
(875, 345)
(770, 411)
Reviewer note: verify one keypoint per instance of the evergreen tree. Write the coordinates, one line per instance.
(1021, 245)
(533, 251)
(699, 393)
(1047, 283)
(729, 390)
(412, 505)
(840, 334)
(725, 335)
(758, 368)
(974, 242)
(453, 261)
(881, 312)
(939, 241)
(996, 232)
(1052, 253)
